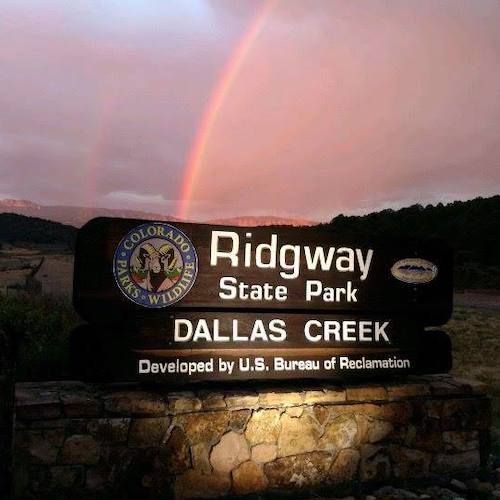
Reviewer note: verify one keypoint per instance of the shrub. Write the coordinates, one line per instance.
(40, 326)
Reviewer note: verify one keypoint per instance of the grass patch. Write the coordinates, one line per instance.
(41, 327)
(475, 337)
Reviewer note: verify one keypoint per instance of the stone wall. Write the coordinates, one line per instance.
(86, 441)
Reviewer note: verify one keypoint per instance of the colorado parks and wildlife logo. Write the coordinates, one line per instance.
(155, 265)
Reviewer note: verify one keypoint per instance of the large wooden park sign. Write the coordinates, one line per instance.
(194, 302)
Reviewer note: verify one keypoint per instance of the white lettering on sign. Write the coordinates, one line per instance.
(232, 289)
(302, 365)
(246, 364)
(204, 330)
(146, 366)
(314, 288)
(346, 363)
(346, 331)
(275, 330)
(226, 245)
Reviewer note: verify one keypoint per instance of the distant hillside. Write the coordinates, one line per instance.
(471, 228)
(74, 216)
(16, 228)
(78, 216)
(263, 220)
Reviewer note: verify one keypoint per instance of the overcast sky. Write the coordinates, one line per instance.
(337, 106)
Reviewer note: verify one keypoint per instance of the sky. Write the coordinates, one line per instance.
(217, 108)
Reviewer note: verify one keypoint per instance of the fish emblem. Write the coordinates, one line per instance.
(414, 270)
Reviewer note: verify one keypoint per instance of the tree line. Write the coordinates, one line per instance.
(471, 228)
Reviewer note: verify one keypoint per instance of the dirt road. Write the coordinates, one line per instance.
(483, 299)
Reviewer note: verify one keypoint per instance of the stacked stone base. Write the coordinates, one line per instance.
(75, 440)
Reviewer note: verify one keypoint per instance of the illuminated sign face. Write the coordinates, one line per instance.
(181, 266)
(155, 265)
(229, 303)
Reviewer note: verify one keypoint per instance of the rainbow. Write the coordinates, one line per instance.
(224, 83)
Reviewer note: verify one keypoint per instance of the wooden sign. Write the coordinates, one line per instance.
(232, 364)
(130, 270)
(273, 330)
(240, 346)
(179, 303)
(103, 353)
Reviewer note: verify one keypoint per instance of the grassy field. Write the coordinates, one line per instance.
(55, 276)
(475, 336)
(41, 327)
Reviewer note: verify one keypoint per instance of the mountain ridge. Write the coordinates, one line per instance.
(77, 216)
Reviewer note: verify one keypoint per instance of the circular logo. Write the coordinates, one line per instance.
(155, 265)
